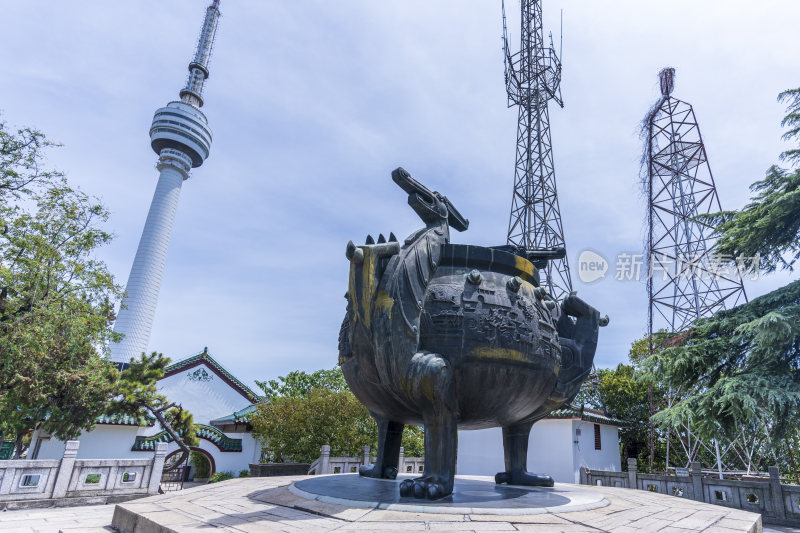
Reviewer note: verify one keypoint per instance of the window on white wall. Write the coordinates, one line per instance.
(597, 443)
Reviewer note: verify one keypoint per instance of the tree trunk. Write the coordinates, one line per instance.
(18, 447)
(174, 434)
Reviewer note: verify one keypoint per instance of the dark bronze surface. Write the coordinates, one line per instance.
(445, 336)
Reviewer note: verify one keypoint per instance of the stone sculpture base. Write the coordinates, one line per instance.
(303, 503)
(472, 494)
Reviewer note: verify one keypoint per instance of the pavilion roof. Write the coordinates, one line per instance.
(204, 357)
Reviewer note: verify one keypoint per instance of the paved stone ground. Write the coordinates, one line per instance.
(88, 519)
(265, 504)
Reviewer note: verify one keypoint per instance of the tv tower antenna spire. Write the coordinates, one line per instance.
(182, 139)
(533, 78)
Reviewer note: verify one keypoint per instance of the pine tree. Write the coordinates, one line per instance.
(138, 396)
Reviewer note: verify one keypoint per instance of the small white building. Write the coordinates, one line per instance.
(202, 387)
(559, 445)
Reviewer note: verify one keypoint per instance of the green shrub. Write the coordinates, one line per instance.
(201, 465)
(221, 476)
(244, 473)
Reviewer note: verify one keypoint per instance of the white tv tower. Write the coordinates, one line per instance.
(182, 139)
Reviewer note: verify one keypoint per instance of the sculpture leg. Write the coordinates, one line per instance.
(390, 435)
(431, 381)
(515, 447)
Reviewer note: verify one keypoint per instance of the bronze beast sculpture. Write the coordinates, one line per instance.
(445, 336)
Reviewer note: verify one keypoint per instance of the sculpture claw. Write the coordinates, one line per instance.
(406, 488)
(392, 238)
(423, 488)
(370, 240)
(435, 491)
(381, 239)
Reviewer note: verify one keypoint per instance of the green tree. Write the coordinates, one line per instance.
(56, 299)
(296, 427)
(137, 395)
(741, 367)
(202, 468)
(303, 411)
(769, 226)
(299, 383)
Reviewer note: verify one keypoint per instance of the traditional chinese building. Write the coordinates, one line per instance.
(200, 385)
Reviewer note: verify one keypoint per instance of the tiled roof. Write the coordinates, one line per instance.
(589, 415)
(241, 416)
(124, 420)
(203, 356)
(211, 434)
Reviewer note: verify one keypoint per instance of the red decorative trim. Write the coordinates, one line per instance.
(219, 374)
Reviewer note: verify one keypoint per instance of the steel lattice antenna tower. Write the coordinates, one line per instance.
(686, 281)
(533, 78)
(182, 139)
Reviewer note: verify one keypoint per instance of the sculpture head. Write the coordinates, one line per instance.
(432, 207)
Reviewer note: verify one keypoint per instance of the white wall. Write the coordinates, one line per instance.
(551, 450)
(102, 442)
(50, 449)
(606, 458)
(480, 452)
(206, 400)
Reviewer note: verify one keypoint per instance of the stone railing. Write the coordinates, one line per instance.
(348, 465)
(72, 481)
(777, 503)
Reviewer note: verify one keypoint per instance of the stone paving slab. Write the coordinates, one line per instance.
(83, 519)
(267, 504)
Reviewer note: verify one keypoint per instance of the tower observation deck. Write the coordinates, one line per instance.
(181, 137)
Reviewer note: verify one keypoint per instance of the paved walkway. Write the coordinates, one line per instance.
(237, 502)
(89, 519)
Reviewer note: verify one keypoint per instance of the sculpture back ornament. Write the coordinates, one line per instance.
(445, 336)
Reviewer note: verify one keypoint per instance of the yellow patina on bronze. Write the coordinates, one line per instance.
(384, 303)
(492, 352)
(525, 268)
(363, 302)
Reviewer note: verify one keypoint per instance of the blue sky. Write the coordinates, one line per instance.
(312, 105)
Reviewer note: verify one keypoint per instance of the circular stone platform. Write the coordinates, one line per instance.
(470, 495)
(273, 504)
